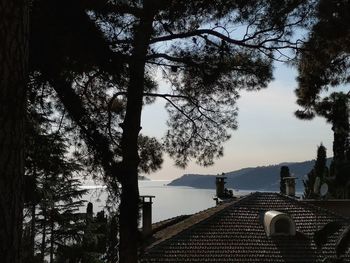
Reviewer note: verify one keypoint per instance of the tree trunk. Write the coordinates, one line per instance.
(43, 237)
(52, 238)
(129, 207)
(32, 230)
(13, 74)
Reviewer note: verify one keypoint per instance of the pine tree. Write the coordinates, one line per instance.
(323, 64)
(52, 194)
(104, 79)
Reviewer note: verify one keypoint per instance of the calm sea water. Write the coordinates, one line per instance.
(169, 201)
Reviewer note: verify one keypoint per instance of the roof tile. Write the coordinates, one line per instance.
(232, 232)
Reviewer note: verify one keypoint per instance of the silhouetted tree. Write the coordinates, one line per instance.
(97, 243)
(105, 75)
(14, 25)
(323, 64)
(320, 167)
(52, 194)
(323, 61)
(283, 174)
(335, 109)
(320, 171)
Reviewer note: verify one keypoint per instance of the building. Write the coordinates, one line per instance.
(260, 227)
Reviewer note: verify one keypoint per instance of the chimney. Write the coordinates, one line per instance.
(290, 186)
(146, 202)
(220, 186)
(89, 212)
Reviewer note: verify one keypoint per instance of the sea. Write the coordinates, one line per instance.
(169, 201)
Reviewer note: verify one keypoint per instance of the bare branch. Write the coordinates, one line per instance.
(183, 60)
(242, 43)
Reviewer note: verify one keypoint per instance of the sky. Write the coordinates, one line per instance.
(268, 132)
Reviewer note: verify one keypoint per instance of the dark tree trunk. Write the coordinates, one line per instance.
(341, 133)
(52, 238)
(43, 236)
(32, 230)
(339, 144)
(131, 126)
(13, 73)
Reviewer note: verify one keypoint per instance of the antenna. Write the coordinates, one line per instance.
(324, 189)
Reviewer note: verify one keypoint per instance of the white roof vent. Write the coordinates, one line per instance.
(278, 224)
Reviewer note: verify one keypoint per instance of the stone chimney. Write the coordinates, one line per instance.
(290, 186)
(146, 203)
(220, 186)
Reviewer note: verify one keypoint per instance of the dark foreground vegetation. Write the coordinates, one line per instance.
(74, 76)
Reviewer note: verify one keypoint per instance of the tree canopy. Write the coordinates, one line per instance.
(323, 64)
(324, 60)
(103, 58)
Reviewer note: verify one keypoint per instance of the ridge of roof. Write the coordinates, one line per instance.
(157, 226)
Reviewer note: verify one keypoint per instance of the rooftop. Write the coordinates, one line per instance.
(233, 232)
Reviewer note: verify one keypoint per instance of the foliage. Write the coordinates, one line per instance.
(320, 171)
(98, 241)
(324, 64)
(102, 59)
(52, 196)
(205, 64)
(324, 60)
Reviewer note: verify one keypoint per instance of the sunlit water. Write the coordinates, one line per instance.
(169, 201)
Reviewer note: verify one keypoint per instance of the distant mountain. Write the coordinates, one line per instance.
(262, 178)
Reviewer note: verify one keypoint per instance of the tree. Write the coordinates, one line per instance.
(336, 110)
(322, 65)
(283, 174)
(320, 171)
(97, 243)
(104, 78)
(13, 74)
(52, 194)
(323, 62)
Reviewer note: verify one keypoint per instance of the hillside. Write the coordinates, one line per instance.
(262, 178)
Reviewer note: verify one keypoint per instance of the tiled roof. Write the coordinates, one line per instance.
(189, 221)
(233, 232)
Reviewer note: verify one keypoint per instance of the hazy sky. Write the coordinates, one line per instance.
(268, 132)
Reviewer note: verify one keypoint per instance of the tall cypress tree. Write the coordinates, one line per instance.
(320, 171)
